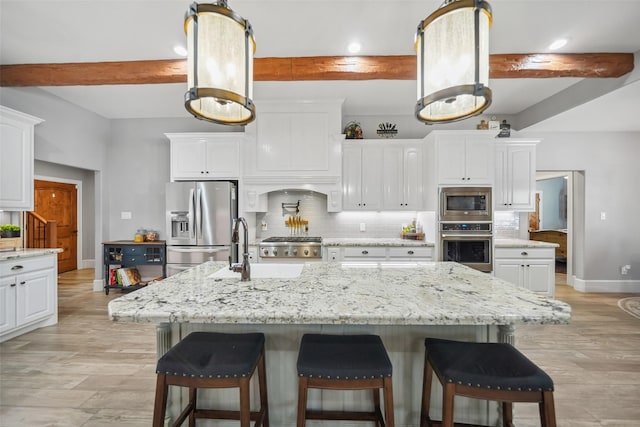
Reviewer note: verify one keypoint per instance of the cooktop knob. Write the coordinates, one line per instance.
(306, 252)
(295, 252)
(265, 251)
(315, 252)
(275, 252)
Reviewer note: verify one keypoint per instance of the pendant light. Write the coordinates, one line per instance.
(220, 49)
(452, 47)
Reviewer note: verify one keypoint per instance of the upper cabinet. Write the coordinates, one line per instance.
(402, 175)
(16, 162)
(203, 156)
(362, 173)
(457, 158)
(464, 160)
(515, 183)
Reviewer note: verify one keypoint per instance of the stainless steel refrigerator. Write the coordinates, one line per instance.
(199, 221)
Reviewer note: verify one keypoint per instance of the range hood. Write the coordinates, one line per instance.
(255, 190)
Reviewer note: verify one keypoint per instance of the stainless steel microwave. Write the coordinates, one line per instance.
(465, 204)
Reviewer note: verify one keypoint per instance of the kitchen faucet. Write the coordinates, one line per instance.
(243, 268)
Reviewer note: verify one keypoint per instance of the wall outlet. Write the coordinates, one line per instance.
(603, 216)
(624, 270)
(363, 226)
(125, 215)
(264, 226)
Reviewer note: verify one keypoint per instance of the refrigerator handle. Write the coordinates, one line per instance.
(199, 212)
(192, 222)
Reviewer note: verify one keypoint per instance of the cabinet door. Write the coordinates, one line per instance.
(223, 159)
(393, 178)
(16, 163)
(412, 173)
(7, 303)
(189, 159)
(479, 155)
(273, 144)
(351, 177)
(451, 160)
(35, 296)
(539, 276)
(372, 161)
(509, 270)
(521, 177)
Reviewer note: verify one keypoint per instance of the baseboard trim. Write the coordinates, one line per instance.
(606, 286)
(98, 285)
(88, 263)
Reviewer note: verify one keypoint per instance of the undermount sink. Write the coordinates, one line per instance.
(263, 271)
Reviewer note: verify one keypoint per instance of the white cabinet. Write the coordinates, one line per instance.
(362, 164)
(402, 176)
(16, 159)
(378, 253)
(28, 295)
(531, 268)
(515, 182)
(464, 159)
(205, 156)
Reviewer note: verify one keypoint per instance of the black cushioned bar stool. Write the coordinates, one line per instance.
(345, 362)
(213, 360)
(490, 371)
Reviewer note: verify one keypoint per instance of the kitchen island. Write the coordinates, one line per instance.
(403, 303)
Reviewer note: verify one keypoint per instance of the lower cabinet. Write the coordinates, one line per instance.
(378, 253)
(28, 295)
(531, 268)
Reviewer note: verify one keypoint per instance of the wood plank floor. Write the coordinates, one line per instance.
(88, 371)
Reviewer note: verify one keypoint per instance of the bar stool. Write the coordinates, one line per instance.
(490, 371)
(213, 360)
(344, 362)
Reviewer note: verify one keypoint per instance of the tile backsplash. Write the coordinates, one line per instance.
(313, 208)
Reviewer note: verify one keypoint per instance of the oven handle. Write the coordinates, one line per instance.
(471, 236)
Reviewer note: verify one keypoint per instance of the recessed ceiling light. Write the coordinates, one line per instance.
(558, 44)
(180, 50)
(354, 47)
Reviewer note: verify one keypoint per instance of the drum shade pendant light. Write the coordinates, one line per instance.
(452, 47)
(220, 49)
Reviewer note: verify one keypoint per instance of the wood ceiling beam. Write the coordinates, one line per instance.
(401, 67)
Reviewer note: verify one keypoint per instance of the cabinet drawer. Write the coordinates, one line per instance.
(410, 252)
(133, 251)
(23, 265)
(524, 253)
(364, 252)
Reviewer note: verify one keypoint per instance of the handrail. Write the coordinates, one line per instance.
(41, 233)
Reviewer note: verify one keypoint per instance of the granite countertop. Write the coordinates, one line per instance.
(429, 293)
(27, 253)
(360, 241)
(523, 243)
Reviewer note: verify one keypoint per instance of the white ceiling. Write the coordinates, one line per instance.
(55, 31)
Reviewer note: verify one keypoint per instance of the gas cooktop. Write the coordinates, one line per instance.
(293, 239)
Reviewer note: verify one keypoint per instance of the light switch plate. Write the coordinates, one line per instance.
(363, 226)
(125, 215)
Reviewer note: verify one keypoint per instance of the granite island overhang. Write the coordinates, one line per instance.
(403, 303)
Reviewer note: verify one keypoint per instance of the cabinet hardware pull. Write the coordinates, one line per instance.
(523, 253)
(22, 283)
(17, 267)
(365, 252)
(13, 285)
(410, 252)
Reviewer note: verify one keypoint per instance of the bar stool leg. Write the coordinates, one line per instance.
(447, 404)
(302, 401)
(262, 385)
(193, 400)
(547, 410)
(388, 402)
(160, 405)
(425, 420)
(245, 404)
(507, 414)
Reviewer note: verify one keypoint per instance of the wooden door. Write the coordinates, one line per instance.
(58, 201)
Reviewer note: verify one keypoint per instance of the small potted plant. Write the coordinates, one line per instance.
(9, 230)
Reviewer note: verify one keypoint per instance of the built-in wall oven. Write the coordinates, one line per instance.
(467, 243)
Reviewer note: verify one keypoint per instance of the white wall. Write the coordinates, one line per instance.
(611, 179)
